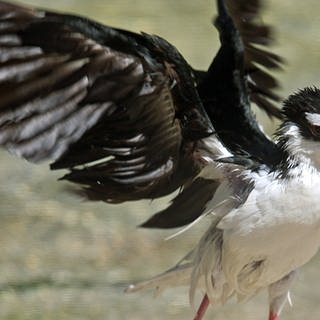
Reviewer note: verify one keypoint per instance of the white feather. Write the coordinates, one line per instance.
(313, 118)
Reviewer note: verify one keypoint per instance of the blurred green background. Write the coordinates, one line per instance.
(63, 258)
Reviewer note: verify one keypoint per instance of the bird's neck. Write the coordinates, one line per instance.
(300, 151)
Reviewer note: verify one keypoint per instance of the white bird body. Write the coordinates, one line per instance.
(275, 231)
(267, 237)
(258, 244)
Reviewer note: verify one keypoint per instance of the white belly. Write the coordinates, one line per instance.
(274, 232)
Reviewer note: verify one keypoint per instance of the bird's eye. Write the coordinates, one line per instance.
(315, 131)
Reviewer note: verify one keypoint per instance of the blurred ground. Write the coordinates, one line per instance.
(63, 259)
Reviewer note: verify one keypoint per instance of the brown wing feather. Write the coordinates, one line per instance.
(257, 37)
(97, 102)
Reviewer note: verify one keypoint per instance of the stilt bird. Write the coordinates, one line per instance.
(130, 119)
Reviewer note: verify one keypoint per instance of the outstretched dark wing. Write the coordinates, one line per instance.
(256, 38)
(121, 112)
(238, 76)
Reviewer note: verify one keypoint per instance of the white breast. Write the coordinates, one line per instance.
(274, 232)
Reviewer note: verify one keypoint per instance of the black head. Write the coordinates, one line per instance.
(303, 109)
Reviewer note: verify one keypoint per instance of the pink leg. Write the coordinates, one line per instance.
(274, 316)
(203, 308)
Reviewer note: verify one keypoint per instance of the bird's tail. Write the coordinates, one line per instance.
(179, 275)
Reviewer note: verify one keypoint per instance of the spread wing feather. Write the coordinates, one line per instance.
(111, 107)
(122, 111)
(239, 76)
(256, 38)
